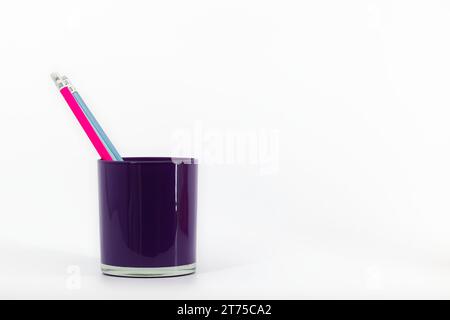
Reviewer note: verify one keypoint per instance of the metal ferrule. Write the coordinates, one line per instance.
(57, 80)
(66, 82)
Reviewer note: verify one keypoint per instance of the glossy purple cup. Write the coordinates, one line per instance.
(148, 209)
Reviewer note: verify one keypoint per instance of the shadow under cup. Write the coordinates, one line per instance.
(148, 209)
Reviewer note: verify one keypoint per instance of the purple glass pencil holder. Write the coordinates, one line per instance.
(148, 212)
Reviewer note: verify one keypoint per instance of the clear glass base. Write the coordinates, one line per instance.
(148, 272)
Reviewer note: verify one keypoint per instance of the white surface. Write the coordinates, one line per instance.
(350, 201)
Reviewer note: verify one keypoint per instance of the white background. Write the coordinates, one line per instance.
(357, 205)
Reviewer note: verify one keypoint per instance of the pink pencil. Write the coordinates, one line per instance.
(84, 122)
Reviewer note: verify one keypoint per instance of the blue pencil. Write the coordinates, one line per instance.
(108, 144)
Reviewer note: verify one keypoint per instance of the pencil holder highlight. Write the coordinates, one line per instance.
(148, 209)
